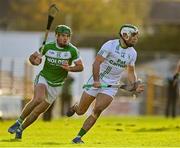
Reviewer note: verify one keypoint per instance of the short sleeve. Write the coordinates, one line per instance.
(105, 49)
(75, 55)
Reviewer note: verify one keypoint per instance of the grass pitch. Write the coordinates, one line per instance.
(107, 132)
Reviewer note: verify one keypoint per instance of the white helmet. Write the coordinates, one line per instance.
(128, 29)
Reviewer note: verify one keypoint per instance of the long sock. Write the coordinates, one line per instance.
(81, 133)
(20, 120)
(21, 127)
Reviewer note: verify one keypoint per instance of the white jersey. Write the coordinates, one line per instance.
(116, 61)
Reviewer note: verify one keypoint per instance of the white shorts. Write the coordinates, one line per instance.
(108, 91)
(53, 92)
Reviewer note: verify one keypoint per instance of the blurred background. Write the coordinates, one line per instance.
(22, 27)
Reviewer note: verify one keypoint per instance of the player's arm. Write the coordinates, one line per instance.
(35, 58)
(96, 68)
(132, 77)
(78, 66)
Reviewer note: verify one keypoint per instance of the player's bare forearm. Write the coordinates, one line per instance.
(96, 68)
(132, 77)
(76, 68)
(137, 86)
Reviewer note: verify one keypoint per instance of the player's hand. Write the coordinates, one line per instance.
(38, 60)
(35, 58)
(97, 84)
(66, 66)
(140, 88)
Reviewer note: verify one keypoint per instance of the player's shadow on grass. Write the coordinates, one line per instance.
(53, 143)
(159, 129)
(10, 140)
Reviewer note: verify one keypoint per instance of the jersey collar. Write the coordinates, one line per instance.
(59, 46)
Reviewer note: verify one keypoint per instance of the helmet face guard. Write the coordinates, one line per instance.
(63, 29)
(129, 30)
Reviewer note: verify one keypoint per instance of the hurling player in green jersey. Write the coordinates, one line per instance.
(59, 56)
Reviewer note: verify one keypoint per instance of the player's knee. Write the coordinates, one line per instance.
(80, 112)
(94, 115)
(37, 100)
(96, 112)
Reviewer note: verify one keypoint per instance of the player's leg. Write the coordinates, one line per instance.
(102, 102)
(42, 107)
(39, 95)
(51, 93)
(83, 105)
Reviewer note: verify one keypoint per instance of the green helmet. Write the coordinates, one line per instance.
(63, 29)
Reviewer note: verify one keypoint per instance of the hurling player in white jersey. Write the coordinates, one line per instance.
(113, 58)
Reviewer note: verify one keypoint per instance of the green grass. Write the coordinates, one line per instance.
(108, 132)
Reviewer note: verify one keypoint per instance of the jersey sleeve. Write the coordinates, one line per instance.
(133, 57)
(75, 55)
(105, 49)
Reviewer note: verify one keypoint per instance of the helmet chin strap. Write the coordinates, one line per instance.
(124, 41)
